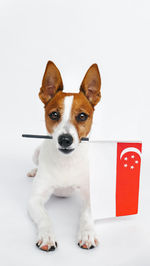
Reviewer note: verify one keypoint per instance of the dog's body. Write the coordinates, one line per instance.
(63, 162)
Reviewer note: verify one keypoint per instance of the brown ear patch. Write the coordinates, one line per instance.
(51, 83)
(91, 85)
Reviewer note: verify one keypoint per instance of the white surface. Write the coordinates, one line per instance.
(103, 156)
(74, 34)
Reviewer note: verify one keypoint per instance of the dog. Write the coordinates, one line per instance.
(63, 164)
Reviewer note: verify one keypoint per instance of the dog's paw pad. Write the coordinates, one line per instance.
(45, 248)
(86, 246)
(89, 243)
(32, 173)
(48, 247)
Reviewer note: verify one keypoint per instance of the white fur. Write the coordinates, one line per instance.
(61, 174)
(65, 126)
(68, 101)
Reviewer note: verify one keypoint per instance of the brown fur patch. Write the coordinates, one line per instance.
(91, 85)
(56, 104)
(80, 104)
(52, 96)
(51, 83)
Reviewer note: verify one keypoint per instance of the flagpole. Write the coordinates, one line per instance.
(45, 137)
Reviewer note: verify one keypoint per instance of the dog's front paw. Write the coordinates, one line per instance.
(87, 239)
(46, 241)
(32, 173)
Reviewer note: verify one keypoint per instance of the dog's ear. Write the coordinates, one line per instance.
(51, 83)
(91, 85)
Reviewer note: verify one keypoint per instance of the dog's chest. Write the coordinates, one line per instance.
(63, 170)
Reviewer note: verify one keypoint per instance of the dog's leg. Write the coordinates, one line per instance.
(87, 237)
(40, 196)
(35, 158)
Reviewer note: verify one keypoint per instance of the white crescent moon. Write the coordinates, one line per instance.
(129, 150)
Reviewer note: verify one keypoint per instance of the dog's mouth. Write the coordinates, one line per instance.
(65, 150)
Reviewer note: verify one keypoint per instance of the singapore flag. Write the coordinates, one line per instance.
(114, 178)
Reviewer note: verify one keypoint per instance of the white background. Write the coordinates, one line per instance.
(74, 34)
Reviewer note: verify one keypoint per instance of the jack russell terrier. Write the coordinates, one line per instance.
(63, 161)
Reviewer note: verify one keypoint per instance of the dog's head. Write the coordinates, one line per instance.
(68, 116)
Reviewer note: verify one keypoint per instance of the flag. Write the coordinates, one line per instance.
(114, 178)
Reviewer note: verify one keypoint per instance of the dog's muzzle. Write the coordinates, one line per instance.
(65, 141)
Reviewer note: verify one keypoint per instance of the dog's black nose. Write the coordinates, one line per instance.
(65, 140)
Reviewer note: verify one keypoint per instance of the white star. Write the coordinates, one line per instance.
(136, 161)
(132, 167)
(132, 156)
(125, 158)
(125, 165)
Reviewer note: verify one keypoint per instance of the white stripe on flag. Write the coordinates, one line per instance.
(103, 157)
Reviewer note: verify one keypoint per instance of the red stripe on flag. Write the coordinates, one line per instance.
(127, 179)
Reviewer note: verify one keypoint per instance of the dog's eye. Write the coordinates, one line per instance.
(81, 117)
(54, 116)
